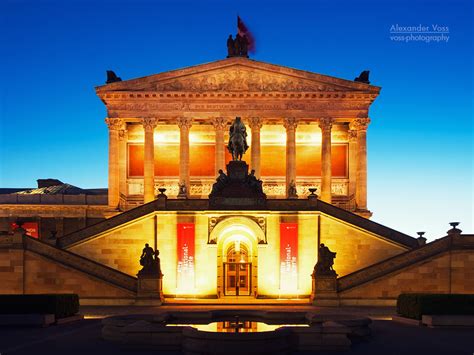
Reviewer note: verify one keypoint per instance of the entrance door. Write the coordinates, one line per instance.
(237, 271)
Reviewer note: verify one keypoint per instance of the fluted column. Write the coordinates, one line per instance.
(219, 124)
(325, 124)
(361, 125)
(290, 124)
(184, 124)
(115, 125)
(123, 137)
(149, 125)
(255, 124)
(352, 138)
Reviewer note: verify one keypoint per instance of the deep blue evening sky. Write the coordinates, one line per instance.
(420, 149)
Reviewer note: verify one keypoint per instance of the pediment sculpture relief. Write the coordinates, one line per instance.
(241, 80)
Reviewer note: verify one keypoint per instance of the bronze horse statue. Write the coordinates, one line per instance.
(237, 140)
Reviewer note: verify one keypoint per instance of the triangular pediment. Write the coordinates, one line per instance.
(238, 75)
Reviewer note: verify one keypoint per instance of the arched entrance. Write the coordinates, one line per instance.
(237, 270)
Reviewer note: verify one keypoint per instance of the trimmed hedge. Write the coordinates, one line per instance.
(414, 305)
(61, 305)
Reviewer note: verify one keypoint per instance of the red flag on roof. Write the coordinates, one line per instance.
(244, 31)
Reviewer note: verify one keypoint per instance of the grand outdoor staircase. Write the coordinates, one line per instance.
(79, 263)
(406, 259)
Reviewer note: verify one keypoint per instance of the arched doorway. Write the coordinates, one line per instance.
(237, 270)
(236, 239)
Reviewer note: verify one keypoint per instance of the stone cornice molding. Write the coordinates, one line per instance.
(184, 123)
(290, 123)
(115, 124)
(153, 95)
(149, 123)
(219, 123)
(255, 123)
(325, 123)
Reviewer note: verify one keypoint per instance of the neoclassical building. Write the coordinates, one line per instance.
(171, 129)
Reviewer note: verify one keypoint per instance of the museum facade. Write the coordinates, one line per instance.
(167, 144)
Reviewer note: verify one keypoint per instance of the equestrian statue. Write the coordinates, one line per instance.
(237, 139)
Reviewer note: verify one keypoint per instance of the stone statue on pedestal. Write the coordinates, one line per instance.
(292, 193)
(182, 191)
(325, 263)
(150, 262)
(237, 145)
(237, 47)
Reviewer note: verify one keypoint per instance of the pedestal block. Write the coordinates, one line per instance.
(324, 290)
(238, 189)
(150, 286)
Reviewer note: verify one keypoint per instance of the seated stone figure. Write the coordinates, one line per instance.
(221, 181)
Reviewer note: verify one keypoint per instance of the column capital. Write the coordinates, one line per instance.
(290, 123)
(359, 124)
(255, 123)
(219, 123)
(149, 123)
(184, 122)
(325, 123)
(352, 135)
(115, 124)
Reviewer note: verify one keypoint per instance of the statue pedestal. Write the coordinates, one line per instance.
(237, 170)
(324, 291)
(150, 287)
(238, 189)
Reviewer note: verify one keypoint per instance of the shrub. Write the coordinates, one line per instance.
(414, 305)
(61, 305)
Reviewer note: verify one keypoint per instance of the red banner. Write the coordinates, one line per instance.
(288, 257)
(31, 228)
(185, 277)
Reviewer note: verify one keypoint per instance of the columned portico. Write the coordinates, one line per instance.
(290, 124)
(323, 152)
(325, 124)
(149, 125)
(361, 183)
(115, 125)
(184, 124)
(255, 124)
(219, 124)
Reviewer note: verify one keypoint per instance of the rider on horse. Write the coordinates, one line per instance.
(237, 139)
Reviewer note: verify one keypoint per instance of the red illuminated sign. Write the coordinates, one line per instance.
(185, 277)
(31, 228)
(288, 257)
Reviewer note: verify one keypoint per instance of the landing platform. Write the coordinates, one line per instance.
(241, 300)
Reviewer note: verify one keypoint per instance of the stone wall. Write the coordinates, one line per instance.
(355, 247)
(24, 271)
(449, 272)
(121, 248)
(45, 276)
(11, 271)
